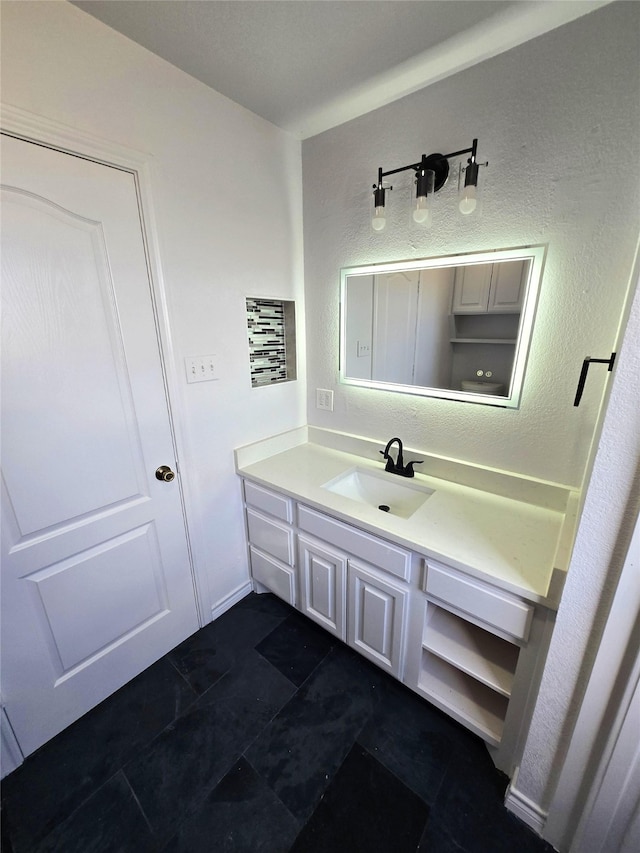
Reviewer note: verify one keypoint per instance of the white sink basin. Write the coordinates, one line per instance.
(381, 490)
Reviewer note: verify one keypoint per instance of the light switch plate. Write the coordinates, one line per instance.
(324, 399)
(201, 368)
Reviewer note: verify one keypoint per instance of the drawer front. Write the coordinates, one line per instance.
(267, 501)
(271, 536)
(492, 606)
(389, 557)
(275, 576)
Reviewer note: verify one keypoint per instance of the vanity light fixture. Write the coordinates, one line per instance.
(431, 175)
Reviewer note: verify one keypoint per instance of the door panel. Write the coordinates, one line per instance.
(96, 579)
(323, 574)
(63, 346)
(376, 617)
(121, 586)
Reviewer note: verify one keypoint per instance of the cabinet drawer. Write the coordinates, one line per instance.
(278, 578)
(491, 606)
(271, 536)
(383, 554)
(267, 501)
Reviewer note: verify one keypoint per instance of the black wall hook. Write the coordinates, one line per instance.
(585, 369)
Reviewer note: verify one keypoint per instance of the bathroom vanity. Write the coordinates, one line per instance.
(452, 589)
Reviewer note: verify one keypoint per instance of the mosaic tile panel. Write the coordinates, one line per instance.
(270, 341)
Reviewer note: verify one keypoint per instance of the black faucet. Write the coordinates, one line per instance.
(398, 467)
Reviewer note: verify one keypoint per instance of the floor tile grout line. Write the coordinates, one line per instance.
(138, 803)
(76, 808)
(299, 823)
(302, 683)
(172, 663)
(194, 806)
(290, 699)
(393, 772)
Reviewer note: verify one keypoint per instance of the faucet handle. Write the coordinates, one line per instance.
(390, 467)
(408, 471)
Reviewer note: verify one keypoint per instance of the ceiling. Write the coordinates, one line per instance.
(309, 65)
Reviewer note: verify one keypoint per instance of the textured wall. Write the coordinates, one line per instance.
(558, 120)
(598, 558)
(219, 240)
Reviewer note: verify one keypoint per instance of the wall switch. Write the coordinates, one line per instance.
(324, 399)
(363, 349)
(201, 368)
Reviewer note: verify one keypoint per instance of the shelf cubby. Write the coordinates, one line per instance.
(478, 653)
(509, 341)
(484, 328)
(473, 704)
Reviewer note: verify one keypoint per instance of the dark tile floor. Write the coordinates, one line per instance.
(261, 734)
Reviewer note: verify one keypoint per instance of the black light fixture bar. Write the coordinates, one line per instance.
(426, 184)
(419, 165)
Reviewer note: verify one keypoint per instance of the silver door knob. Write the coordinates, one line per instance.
(165, 474)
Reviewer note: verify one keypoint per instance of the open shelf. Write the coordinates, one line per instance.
(474, 705)
(509, 341)
(478, 653)
(484, 328)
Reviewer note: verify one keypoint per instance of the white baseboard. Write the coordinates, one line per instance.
(525, 809)
(233, 598)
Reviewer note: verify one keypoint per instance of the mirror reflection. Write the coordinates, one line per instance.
(454, 327)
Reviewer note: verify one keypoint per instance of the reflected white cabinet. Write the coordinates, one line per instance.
(376, 616)
(323, 579)
(489, 288)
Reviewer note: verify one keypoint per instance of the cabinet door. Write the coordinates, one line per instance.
(376, 617)
(323, 574)
(507, 286)
(471, 289)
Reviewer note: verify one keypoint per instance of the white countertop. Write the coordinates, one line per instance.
(507, 542)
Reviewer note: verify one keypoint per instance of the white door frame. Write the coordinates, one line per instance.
(35, 128)
(598, 789)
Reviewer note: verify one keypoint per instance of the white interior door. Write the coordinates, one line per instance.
(96, 579)
(395, 307)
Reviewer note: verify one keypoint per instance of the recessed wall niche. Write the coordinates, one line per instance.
(271, 327)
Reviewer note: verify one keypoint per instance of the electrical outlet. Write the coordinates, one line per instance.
(201, 368)
(324, 399)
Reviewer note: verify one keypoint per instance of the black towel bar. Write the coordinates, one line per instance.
(585, 369)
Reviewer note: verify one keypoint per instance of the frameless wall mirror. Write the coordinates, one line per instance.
(453, 327)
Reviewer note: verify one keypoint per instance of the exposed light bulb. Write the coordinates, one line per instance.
(468, 200)
(422, 211)
(379, 219)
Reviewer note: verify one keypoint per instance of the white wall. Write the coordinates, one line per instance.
(608, 519)
(220, 239)
(558, 120)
